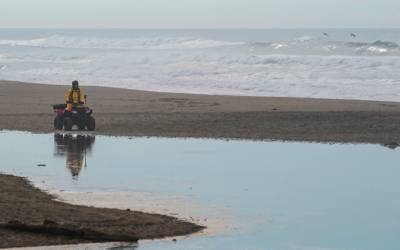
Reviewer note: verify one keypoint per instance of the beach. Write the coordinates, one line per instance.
(124, 112)
(215, 131)
(132, 113)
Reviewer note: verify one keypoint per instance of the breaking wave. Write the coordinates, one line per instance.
(199, 57)
(131, 43)
(297, 46)
(319, 46)
(211, 62)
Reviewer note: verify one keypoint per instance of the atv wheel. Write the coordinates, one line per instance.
(58, 123)
(91, 124)
(68, 124)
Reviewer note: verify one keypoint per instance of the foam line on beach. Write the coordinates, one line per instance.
(217, 220)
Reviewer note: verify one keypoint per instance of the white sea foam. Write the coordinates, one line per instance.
(132, 43)
(200, 57)
(304, 64)
(304, 39)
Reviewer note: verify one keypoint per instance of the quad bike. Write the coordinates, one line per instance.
(79, 115)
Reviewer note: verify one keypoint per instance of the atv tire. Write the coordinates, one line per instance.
(91, 124)
(68, 124)
(58, 123)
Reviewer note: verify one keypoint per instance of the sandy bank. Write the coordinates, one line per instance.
(121, 112)
(20, 201)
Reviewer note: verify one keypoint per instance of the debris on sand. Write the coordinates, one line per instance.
(68, 229)
(391, 145)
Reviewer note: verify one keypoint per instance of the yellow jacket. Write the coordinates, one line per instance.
(73, 97)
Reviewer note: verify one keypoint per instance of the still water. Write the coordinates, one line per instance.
(251, 195)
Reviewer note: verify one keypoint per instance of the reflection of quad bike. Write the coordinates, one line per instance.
(74, 148)
(79, 115)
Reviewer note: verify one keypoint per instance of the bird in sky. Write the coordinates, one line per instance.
(326, 34)
(353, 35)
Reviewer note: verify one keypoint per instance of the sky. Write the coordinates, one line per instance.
(199, 14)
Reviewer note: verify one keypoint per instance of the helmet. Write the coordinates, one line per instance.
(75, 82)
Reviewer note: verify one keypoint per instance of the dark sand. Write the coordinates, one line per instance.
(121, 112)
(20, 201)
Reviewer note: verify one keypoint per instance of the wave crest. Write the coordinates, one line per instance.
(128, 43)
(305, 45)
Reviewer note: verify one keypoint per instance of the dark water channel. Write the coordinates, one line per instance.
(258, 195)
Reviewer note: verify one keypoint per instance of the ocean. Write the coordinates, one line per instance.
(243, 62)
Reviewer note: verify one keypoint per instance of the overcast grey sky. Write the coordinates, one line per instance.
(199, 14)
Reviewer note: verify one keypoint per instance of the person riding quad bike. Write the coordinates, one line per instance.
(75, 112)
(74, 95)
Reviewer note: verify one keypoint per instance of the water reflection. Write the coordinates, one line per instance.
(76, 148)
(267, 195)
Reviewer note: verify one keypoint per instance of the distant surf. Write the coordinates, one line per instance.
(286, 63)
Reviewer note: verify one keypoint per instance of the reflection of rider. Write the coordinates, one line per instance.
(74, 159)
(75, 149)
(74, 95)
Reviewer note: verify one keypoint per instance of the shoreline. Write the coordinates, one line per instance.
(123, 112)
(67, 86)
(27, 203)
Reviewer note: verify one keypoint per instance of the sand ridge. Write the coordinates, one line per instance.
(122, 112)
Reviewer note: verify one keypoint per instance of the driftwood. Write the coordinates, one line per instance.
(68, 229)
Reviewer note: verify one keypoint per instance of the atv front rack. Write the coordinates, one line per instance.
(59, 106)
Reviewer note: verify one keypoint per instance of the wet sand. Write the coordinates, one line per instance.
(20, 201)
(121, 112)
